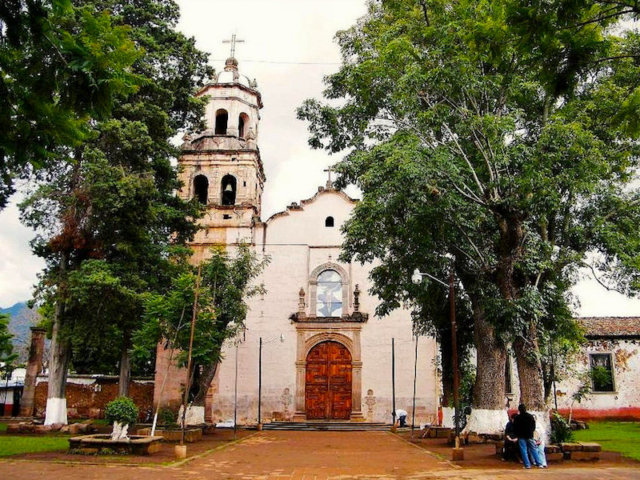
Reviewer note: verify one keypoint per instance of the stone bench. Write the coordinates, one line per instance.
(581, 451)
(134, 445)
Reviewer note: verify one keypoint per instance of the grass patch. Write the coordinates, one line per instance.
(10, 445)
(3, 427)
(623, 437)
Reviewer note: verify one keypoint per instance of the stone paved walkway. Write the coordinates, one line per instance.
(306, 455)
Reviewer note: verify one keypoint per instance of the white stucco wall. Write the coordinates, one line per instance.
(298, 242)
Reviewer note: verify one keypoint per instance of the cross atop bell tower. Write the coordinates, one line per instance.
(233, 42)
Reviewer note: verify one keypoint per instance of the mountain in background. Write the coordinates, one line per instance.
(22, 319)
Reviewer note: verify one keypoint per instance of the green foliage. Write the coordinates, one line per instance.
(121, 410)
(167, 417)
(225, 285)
(490, 133)
(560, 429)
(623, 437)
(61, 66)
(7, 357)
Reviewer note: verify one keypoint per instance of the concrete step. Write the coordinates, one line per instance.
(327, 426)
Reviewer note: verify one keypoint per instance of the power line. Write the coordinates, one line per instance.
(280, 63)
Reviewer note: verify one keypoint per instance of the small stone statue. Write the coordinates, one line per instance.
(301, 303)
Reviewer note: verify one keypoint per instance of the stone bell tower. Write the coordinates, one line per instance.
(221, 166)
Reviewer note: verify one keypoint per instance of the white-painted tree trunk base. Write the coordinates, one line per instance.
(488, 422)
(195, 415)
(56, 411)
(543, 425)
(119, 431)
(447, 417)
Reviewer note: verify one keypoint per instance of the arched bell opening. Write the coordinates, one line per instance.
(222, 119)
(229, 184)
(201, 189)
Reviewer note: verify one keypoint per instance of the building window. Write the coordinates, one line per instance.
(222, 118)
(201, 189)
(228, 190)
(601, 371)
(243, 122)
(329, 222)
(329, 294)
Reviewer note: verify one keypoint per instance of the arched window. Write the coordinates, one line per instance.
(329, 222)
(243, 124)
(201, 189)
(228, 190)
(329, 294)
(222, 118)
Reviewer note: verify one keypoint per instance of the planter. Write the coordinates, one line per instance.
(190, 435)
(134, 445)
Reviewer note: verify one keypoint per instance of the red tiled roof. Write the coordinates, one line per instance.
(611, 326)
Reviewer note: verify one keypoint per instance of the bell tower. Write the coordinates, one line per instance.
(221, 166)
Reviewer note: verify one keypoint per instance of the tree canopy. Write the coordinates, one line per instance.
(61, 66)
(227, 281)
(496, 136)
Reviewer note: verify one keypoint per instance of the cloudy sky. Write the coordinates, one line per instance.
(288, 47)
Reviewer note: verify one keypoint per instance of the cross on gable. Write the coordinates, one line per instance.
(329, 169)
(233, 42)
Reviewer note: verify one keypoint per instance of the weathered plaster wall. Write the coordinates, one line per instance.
(624, 401)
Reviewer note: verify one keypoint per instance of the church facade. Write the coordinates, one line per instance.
(313, 348)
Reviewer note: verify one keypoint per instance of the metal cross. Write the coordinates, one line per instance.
(233, 42)
(329, 170)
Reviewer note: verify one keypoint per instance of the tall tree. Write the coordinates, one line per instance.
(115, 221)
(227, 281)
(467, 146)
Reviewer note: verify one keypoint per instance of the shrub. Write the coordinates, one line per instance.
(560, 429)
(167, 418)
(122, 410)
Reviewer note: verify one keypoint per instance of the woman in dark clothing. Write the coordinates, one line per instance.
(510, 450)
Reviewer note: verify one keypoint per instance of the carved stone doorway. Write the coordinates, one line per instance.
(328, 393)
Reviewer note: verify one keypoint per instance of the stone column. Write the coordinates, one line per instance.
(300, 414)
(34, 366)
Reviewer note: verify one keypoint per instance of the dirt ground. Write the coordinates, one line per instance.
(309, 455)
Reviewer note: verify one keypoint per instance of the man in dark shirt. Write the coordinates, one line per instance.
(524, 426)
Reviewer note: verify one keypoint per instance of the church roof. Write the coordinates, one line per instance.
(321, 191)
(611, 327)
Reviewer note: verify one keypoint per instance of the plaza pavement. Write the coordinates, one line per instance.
(310, 455)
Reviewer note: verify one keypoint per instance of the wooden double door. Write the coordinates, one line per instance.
(328, 382)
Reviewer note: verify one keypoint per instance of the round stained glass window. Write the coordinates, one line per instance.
(329, 294)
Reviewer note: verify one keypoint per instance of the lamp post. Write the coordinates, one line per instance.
(417, 278)
(281, 338)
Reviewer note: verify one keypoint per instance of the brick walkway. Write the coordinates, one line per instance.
(307, 455)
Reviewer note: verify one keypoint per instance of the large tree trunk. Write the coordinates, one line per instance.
(125, 366)
(58, 366)
(488, 415)
(530, 369)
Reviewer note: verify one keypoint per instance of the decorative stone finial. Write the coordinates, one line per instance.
(356, 299)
